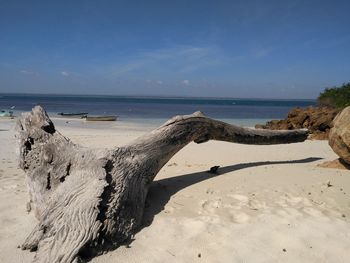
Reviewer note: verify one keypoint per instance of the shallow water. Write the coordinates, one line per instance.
(156, 110)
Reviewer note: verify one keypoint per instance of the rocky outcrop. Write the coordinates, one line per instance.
(318, 120)
(339, 136)
(335, 164)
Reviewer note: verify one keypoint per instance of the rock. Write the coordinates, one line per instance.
(214, 169)
(339, 136)
(318, 120)
(259, 126)
(336, 164)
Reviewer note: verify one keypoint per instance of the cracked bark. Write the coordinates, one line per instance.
(90, 200)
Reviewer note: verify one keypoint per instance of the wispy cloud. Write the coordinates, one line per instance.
(326, 44)
(27, 72)
(65, 73)
(178, 59)
(262, 52)
(186, 82)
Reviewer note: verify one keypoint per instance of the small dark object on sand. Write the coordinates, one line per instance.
(214, 169)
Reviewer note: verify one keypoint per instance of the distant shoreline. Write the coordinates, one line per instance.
(150, 97)
(247, 112)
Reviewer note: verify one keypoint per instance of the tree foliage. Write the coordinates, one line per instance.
(338, 97)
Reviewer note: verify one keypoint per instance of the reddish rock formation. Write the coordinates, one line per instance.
(318, 120)
(335, 164)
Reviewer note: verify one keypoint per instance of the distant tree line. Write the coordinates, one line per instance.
(338, 97)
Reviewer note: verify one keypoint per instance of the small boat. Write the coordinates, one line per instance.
(73, 114)
(101, 118)
(6, 113)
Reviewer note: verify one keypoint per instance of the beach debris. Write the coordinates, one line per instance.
(214, 169)
(100, 203)
(329, 184)
(171, 253)
(28, 207)
(210, 191)
(284, 250)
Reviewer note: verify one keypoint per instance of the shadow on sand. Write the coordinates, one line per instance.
(162, 190)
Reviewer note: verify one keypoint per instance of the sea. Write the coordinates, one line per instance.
(156, 110)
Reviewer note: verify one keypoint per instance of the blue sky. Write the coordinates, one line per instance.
(247, 49)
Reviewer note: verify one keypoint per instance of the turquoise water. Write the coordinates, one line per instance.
(156, 110)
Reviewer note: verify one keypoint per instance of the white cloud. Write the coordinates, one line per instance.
(27, 72)
(186, 82)
(160, 82)
(65, 73)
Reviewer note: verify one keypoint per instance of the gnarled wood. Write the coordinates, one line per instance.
(88, 200)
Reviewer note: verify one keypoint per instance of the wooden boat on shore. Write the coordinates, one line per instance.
(101, 118)
(6, 113)
(73, 114)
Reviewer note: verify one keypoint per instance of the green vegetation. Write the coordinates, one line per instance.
(338, 97)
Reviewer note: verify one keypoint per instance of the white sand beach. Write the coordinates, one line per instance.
(267, 204)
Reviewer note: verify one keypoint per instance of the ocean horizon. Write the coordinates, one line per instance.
(157, 109)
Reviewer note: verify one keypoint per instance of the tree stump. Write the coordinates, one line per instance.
(91, 200)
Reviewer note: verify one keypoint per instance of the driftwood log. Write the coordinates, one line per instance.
(90, 200)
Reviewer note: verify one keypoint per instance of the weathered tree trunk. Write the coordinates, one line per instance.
(88, 200)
